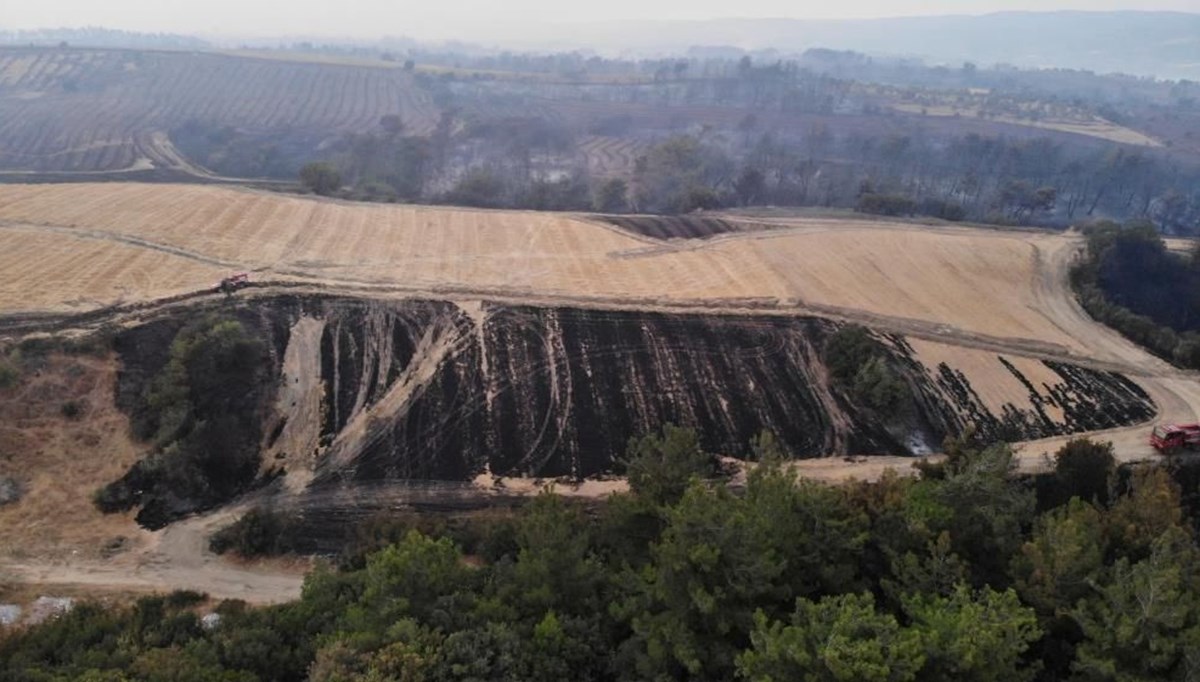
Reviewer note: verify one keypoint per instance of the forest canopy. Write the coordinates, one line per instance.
(968, 572)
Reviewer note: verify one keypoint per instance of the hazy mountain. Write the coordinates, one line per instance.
(1164, 44)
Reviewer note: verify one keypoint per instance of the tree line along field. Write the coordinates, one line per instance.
(699, 134)
(95, 110)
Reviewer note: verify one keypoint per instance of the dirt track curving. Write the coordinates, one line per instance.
(171, 559)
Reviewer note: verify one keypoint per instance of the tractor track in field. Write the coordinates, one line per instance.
(128, 240)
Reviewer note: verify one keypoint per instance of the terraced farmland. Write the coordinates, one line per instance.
(109, 110)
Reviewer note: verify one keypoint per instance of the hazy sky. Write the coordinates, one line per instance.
(473, 19)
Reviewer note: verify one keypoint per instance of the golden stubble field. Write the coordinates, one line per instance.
(74, 247)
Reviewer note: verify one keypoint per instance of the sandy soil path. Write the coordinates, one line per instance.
(175, 558)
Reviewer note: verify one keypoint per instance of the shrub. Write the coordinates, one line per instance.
(114, 497)
(848, 349)
(181, 599)
(860, 363)
(259, 532)
(940, 208)
(72, 409)
(886, 204)
(321, 178)
(1084, 468)
(203, 412)
(9, 374)
(880, 387)
(11, 490)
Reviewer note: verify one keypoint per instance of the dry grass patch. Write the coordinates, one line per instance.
(60, 460)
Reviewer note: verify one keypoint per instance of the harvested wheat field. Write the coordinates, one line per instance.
(169, 237)
(44, 270)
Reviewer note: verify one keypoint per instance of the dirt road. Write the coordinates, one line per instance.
(174, 558)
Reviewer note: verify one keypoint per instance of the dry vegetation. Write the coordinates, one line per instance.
(59, 459)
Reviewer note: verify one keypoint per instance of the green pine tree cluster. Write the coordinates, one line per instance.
(967, 572)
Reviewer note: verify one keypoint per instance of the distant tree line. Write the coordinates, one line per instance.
(527, 163)
(233, 152)
(719, 132)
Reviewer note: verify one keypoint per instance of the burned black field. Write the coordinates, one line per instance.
(678, 227)
(427, 391)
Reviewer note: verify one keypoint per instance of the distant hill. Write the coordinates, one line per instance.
(101, 37)
(1163, 44)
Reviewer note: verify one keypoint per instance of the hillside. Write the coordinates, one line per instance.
(744, 357)
(450, 359)
(87, 110)
(558, 132)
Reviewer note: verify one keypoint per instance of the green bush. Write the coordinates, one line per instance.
(886, 204)
(321, 178)
(9, 374)
(860, 364)
(948, 578)
(259, 532)
(203, 415)
(848, 349)
(880, 387)
(1131, 282)
(1084, 469)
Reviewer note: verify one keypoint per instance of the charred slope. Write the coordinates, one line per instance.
(1085, 400)
(431, 390)
(571, 387)
(559, 392)
(679, 227)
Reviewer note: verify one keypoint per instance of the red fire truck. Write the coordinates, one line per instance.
(1168, 438)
